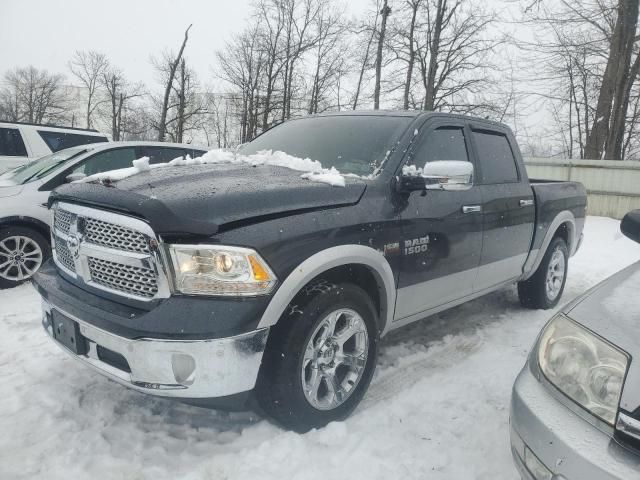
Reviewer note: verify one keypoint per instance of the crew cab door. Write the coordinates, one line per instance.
(442, 230)
(508, 209)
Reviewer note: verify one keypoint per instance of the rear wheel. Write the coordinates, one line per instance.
(320, 357)
(544, 288)
(22, 252)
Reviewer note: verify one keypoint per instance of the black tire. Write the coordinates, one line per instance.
(533, 292)
(279, 390)
(5, 235)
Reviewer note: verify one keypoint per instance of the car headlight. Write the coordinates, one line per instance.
(218, 270)
(586, 368)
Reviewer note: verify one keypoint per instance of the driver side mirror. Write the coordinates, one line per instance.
(630, 225)
(74, 177)
(451, 175)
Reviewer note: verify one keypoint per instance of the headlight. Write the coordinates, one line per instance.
(583, 366)
(217, 270)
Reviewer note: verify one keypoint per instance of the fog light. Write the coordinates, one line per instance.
(535, 466)
(184, 368)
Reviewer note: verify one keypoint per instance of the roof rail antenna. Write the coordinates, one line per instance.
(51, 126)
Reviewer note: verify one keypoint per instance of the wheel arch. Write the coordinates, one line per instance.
(564, 226)
(28, 222)
(329, 262)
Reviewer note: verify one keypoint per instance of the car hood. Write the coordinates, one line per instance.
(202, 199)
(9, 189)
(612, 310)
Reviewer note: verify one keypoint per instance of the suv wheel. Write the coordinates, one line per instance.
(320, 357)
(22, 252)
(544, 289)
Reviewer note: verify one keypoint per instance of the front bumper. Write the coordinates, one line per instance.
(191, 369)
(570, 447)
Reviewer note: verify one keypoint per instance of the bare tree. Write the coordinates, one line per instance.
(33, 95)
(241, 65)
(88, 67)
(187, 104)
(119, 95)
(168, 66)
(364, 62)
(330, 52)
(384, 13)
(606, 136)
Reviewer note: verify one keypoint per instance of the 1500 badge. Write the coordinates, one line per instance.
(416, 245)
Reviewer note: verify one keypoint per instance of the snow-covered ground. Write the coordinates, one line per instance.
(438, 406)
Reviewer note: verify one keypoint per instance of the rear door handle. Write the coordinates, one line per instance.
(471, 208)
(526, 203)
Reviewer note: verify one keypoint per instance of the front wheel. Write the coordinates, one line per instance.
(544, 289)
(22, 252)
(320, 357)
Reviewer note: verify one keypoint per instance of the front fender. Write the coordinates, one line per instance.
(325, 260)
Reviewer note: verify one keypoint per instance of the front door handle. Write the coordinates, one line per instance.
(526, 203)
(471, 208)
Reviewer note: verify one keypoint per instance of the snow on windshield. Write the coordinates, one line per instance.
(313, 169)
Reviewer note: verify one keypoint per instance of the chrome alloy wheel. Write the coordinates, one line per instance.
(334, 359)
(555, 274)
(20, 258)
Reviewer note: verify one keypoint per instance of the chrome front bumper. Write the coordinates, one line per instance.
(566, 444)
(172, 368)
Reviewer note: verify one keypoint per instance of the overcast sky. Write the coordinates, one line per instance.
(45, 33)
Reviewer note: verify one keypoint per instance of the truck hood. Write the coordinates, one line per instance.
(612, 310)
(203, 199)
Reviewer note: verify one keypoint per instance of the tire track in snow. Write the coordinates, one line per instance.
(439, 356)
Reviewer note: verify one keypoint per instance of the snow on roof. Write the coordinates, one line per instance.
(312, 168)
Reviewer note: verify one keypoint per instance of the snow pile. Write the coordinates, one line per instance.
(331, 176)
(314, 170)
(411, 171)
(437, 408)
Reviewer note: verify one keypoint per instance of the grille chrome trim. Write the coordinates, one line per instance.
(122, 257)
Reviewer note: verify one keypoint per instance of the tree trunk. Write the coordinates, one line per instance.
(434, 47)
(611, 107)
(385, 12)
(412, 55)
(364, 62)
(162, 127)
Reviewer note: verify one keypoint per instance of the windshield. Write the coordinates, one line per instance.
(39, 168)
(354, 144)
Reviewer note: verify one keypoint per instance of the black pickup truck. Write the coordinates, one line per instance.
(238, 284)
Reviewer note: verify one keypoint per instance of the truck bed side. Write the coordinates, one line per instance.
(551, 199)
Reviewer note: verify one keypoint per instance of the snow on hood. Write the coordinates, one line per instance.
(314, 170)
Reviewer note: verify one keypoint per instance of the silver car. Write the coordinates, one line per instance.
(24, 218)
(575, 407)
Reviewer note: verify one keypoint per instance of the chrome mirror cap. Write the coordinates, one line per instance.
(448, 175)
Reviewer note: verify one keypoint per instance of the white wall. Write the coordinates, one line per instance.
(613, 186)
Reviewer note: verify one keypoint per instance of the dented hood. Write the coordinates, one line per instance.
(201, 199)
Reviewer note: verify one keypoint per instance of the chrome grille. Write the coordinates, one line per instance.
(124, 278)
(63, 254)
(62, 220)
(129, 266)
(115, 236)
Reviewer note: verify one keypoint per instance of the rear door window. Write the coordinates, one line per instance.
(11, 144)
(107, 160)
(497, 162)
(60, 140)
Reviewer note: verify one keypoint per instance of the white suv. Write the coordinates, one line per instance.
(23, 142)
(24, 218)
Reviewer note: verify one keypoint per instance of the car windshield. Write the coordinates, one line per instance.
(39, 168)
(354, 144)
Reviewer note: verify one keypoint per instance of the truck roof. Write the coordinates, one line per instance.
(406, 113)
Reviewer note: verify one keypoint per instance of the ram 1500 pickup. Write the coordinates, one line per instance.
(235, 284)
